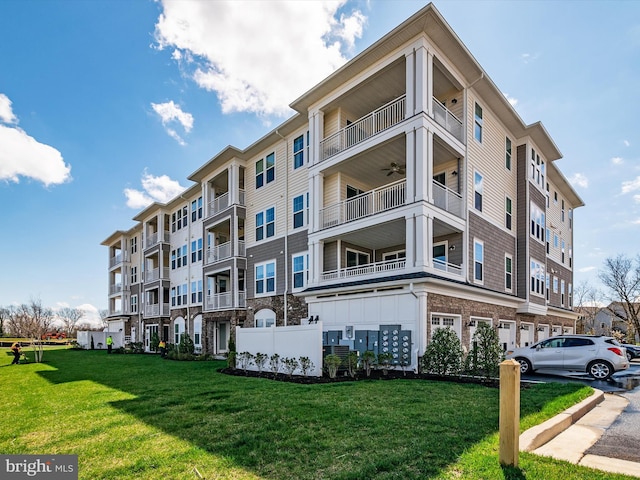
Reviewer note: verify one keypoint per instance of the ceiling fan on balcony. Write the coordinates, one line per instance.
(394, 168)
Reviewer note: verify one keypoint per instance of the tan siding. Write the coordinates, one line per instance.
(331, 194)
(331, 122)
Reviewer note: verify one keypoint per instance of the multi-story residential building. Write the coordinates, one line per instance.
(405, 195)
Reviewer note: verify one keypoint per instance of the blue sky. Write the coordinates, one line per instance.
(106, 106)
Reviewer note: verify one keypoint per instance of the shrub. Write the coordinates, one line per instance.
(274, 363)
(486, 354)
(443, 355)
(231, 359)
(384, 362)
(186, 345)
(368, 358)
(260, 359)
(155, 340)
(232, 345)
(305, 365)
(352, 363)
(290, 365)
(136, 347)
(331, 363)
(244, 360)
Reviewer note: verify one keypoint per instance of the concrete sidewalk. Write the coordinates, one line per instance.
(568, 435)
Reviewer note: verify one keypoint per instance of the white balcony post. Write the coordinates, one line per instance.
(428, 94)
(410, 244)
(422, 240)
(410, 85)
(422, 81)
(233, 173)
(411, 167)
(423, 162)
(428, 156)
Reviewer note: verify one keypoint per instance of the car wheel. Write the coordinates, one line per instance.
(600, 370)
(525, 365)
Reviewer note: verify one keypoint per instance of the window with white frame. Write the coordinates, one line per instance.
(439, 253)
(299, 211)
(508, 207)
(548, 290)
(196, 292)
(570, 218)
(266, 170)
(570, 294)
(478, 261)
(537, 170)
(393, 256)
(478, 189)
(134, 244)
(134, 303)
(562, 250)
(570, 257)
(265, 278)
(300, 270)
(298, 152)
(562, 291)
(508, 273)
(265, 318)
(197, 332)
(134, 275)
(356, 258)
(453, 322)
(196, 209)
(178, 329)
(555, 284)
(179, 219)
(537, 223)
(548, 240)
(507, 153)
(477, 131)
(266, 224)
(196, 251)
(562, 211)
(537, 275)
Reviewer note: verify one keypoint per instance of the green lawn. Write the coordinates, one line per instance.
(141, 417)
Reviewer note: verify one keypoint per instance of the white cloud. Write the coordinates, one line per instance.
(529, 57)
(631, 185)
(23, 156)
(257, 56)
(636, 198)
(90, 314)
(155, 189)
(579, 180)
(510, 99)
(586, 269)
(626, 143)
(169, 112)
(617, 160)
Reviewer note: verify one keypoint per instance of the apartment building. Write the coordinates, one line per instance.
(405, 195)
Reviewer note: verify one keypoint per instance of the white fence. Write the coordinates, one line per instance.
(293, 341)
(99, 339)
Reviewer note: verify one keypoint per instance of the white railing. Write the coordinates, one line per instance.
(156, 310)
(368, 269)
(224, 300)
(448, 120)
(219, 203)
(154, 274)
(447, 267)
(218, 252)
(157, 238)
(118, 258)
(363, 205)
(371, 124)
(115, 288)
(447, 199)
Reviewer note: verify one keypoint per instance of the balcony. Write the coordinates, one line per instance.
(115, 288)
(447, 199)
(367, 269)
(364, 205)
(154, 274)
(223, 251)
(156, 238)
(118, 258)
(447, 267)
(221, 301)
(156, 310)
(448, 120)
(222, 202)
(366, 127)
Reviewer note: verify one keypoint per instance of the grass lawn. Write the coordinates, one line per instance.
(141, 417)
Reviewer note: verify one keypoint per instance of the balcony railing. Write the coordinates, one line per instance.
(447, 199)
(363, 205)
(448, 120)
(154, 274)
(222, 202)
(157, 237)
(220, 301)
(223, 251)
(368, 269)
(115, 288)
(373, 123)
(156, 310)
(118, 258)
(447, 267)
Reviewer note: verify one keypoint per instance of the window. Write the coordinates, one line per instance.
(478, 188)
(134, 275)
(173, 259)
(477, 132)
(298, 152)
(173, 296)
(548, 240)
(537, 276)
(571, 218)
(555, 198)
(570, 293)
(196, 292)
(134, 244)
(507, 153)
(265, 318)
(478, 261)
(508, 208)
(134, 303)
(265, 224)
(266, 170)
(537, 171)
(508, 272)
(298, 211)
(266, 278)
(440, 178)
(562, 290)
(179, 219)
(197, 331)
(442, 321)
(562, 251)
(355, 258)
(548, 290)
(393, 256)
(562, 211)
(300, 270)
(439, 252)
(182, 256)
(570, 257)
(196, 209)
(537, 222)
(196, 250)
(555, 284)
(555, 240)
(178, 329)
(184, 293)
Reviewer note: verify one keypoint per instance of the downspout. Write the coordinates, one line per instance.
(286, 227)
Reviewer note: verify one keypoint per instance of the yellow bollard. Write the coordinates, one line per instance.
(509, 413)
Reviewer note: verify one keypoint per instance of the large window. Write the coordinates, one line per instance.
(134, 275)
(508, 272)
(477, 131)
(196, 292)
(478, 261)
(508, 207)
(507, 153)
(266, 224)
(266, 170)
(298, 152)
(134, 244)
(537, 170)
(196, 209)
(179, 219)
(298, 211)
(562, 291)
(356, 258)
(266, 278)
(446, 321)
(478, 188)
(265, 318)
(134, 303)
(300, 271)
(196, 250)
(537, 277)
(537, 222)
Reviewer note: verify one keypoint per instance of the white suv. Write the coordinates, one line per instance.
(599, 356)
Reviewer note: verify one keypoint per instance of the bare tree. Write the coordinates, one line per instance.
(621, 276)
(69, 318)
(587, 302)
(4, 316)
(103, 317)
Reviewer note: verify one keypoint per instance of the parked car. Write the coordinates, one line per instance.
(597, 355)
(633, 351)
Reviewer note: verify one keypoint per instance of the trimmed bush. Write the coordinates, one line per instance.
(443, 355)
(486, 354)
(331, 364)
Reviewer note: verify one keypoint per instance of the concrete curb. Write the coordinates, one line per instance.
(541, 434)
